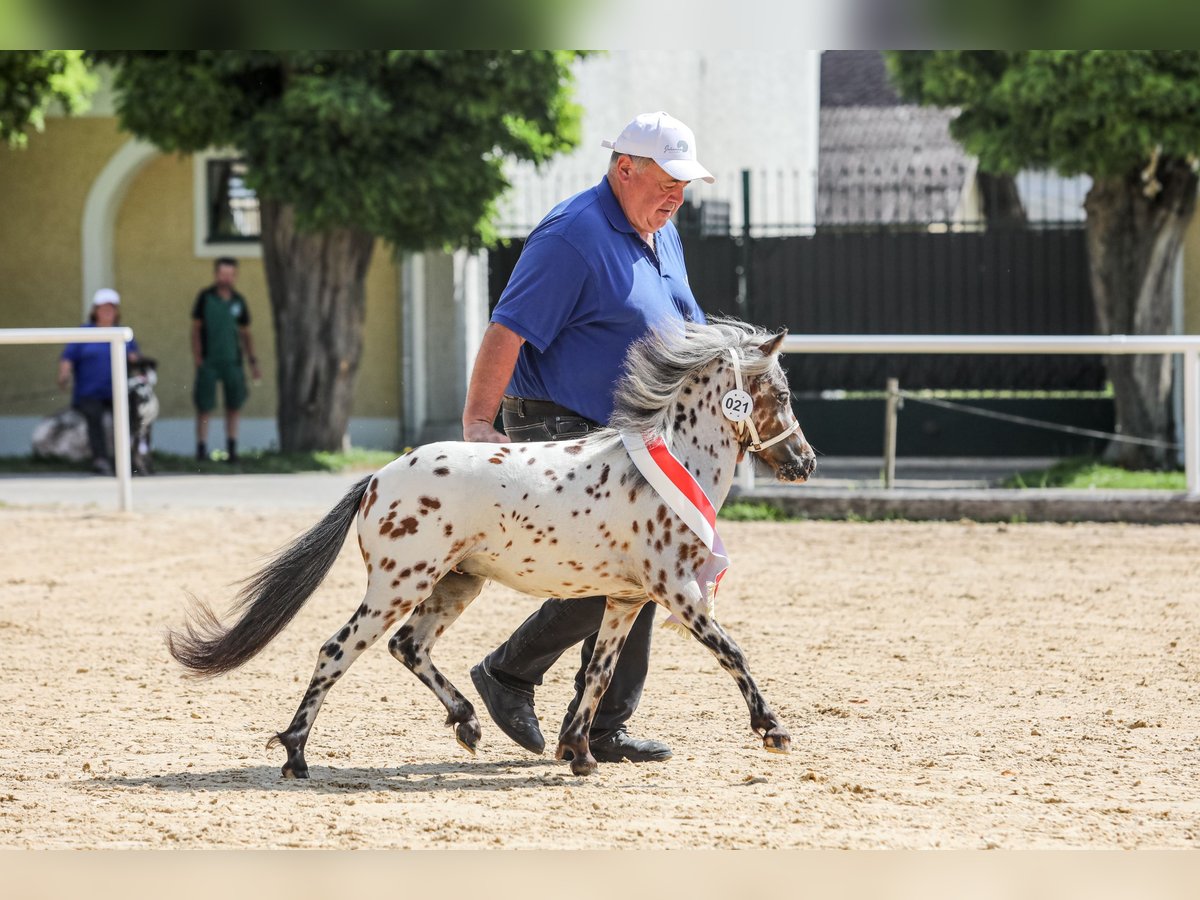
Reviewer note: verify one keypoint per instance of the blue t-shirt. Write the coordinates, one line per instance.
(586, 287)
(91, 369)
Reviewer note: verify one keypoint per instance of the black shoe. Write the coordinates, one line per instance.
(617, 746)
(510, 708)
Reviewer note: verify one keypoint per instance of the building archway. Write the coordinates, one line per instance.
(100, 214)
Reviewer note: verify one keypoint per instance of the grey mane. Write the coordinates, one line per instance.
(660, 364)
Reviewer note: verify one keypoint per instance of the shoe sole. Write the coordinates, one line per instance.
(477, 680)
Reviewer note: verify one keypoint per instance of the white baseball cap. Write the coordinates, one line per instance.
(106, 295)
(665, 140)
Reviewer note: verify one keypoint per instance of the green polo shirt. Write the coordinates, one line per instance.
(220, 320)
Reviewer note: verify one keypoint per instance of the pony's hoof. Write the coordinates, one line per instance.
(583, 765)
(295, 771)
(467, 734)
(777, 740)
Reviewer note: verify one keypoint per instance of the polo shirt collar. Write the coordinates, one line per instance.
(612, 209)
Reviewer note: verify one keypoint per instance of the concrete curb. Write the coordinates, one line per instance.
(987, 505)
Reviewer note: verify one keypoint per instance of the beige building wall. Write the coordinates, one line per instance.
(1191, 277)
(43, 190)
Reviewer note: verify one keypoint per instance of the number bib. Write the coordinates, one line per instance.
(736, 405)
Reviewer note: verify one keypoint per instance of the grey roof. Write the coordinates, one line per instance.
(889, 164)
(855, 78)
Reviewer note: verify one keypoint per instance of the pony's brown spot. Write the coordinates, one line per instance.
(407, 525)
(428, 503)
(448, 530)
(495, 460)
(573, 449)
(441, 471)
(420, 567)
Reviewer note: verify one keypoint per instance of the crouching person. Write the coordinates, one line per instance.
(89, 367)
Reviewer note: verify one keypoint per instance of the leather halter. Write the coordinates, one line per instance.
(756, 445)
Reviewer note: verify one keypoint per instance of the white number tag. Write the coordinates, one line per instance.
(736, 405)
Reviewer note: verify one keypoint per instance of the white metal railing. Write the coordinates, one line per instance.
(116, 339)
(1188, 345)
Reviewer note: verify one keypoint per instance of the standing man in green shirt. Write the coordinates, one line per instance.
(220, 336)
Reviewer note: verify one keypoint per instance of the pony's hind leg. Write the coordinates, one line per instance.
(619, 616)
(414, 641)
(372, 618)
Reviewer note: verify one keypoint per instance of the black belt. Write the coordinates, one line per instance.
(534, 409)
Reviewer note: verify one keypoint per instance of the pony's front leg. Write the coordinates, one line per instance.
(619, 616)
(687, 606)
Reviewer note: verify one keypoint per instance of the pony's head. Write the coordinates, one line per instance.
(675, 370)
(770, 427)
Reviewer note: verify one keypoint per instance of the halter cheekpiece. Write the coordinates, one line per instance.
(757, 445)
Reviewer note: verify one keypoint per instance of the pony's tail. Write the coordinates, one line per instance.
(269, 599)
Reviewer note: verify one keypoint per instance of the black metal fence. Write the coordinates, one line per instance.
(1001, 281)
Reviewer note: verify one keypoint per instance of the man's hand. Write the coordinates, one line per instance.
(483, 433)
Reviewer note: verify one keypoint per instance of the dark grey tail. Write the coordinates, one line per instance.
(270, 598)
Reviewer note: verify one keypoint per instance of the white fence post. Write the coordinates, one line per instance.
(120, 398)
(116, 339)
(1191, 422)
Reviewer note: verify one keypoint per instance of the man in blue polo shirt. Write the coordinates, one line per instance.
(600, 271)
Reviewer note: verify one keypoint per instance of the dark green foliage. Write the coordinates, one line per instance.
(31, 80)
(1100, 112)
(405, 144)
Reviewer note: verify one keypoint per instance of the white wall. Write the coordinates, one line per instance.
(750, 109)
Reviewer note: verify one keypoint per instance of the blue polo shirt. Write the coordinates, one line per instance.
(91, 369)
(586, 287)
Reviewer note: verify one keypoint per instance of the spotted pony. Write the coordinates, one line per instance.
(571, 519)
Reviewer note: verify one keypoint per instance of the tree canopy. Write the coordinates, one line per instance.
(1100, 112)
(407, 145)
(31, 81)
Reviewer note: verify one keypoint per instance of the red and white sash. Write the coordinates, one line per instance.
(687, 500)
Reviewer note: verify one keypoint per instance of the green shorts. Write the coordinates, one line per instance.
(231, 375)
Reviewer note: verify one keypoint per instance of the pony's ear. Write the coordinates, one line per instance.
(771, 347)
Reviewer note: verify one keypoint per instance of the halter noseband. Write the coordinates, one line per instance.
(756, 444)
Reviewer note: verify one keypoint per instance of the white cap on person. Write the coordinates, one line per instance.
(106, 295)
(665, 140)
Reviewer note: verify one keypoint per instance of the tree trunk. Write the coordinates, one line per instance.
(316, 282)
(1135, 226)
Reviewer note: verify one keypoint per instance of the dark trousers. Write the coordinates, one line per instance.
(557, 625)
(92, 409)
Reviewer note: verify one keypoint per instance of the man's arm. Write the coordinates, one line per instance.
(248, 349)
(493, 370)
(197, 352)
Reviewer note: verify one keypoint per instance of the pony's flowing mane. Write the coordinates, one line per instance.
(660, 364)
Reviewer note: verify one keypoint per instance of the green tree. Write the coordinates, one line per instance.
(344, 148)
(32, 80)
(1130, 120)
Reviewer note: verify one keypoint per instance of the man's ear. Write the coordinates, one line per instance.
(774, 345)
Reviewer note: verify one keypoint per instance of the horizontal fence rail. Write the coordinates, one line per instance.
(1115, 344)
(116, 338)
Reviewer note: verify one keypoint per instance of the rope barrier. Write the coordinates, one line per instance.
(1037, 423)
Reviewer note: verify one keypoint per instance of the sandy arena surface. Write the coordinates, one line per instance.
(946, 685)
